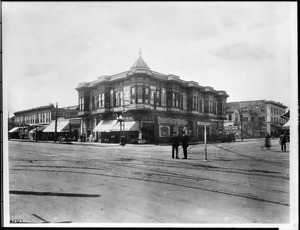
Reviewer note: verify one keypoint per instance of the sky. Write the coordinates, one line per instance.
(248, 49)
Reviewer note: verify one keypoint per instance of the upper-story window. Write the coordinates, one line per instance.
(81, 104)
(271, 109)
(147, 95)
(111, 98)
(140, 94)
(121, 98)
(101, 100)
(96, 102)
(133, 95)
(116, 98)
(195, 103)
(206, 105)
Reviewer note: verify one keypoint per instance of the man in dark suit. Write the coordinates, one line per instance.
(175, 140)
(185, 144)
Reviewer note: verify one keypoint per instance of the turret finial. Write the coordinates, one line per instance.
(140, 52)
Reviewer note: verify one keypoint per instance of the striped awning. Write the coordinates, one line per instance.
(105, 125)
(62, 126)
(14, 130)
(127, 126)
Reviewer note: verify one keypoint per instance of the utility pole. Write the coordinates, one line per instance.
(156, 134)
(55, 129)
(241, 118)
(205, 145)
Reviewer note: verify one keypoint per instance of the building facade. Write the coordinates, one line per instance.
(255, 118)
(152, 105)
(37, 119)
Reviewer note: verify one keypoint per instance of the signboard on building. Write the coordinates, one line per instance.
(164, 131)
(172, 121)
(203, 123)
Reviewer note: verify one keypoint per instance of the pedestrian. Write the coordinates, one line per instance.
(185, 144)
(268, 141)
(122, 141)
(175, 140)
(282, 140)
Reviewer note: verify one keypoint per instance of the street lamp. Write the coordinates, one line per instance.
(122, 138)
(120, 119)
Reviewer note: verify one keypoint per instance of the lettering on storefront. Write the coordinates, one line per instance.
(256, 103)
(172, 121)
(200, 123)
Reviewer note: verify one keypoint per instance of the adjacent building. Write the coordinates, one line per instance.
(255, 118)
(34, 121)
(144, 104)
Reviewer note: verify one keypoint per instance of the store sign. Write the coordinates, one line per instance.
(171, 121)
(203, 123)
(164, 131)
(231, 127)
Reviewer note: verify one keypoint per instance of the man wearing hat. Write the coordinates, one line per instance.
(185, 144)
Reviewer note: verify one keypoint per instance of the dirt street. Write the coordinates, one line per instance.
(107, 183)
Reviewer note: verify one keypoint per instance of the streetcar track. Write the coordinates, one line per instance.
(153, 172)
(254, 158)
(167, 182)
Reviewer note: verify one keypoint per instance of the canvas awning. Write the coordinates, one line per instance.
(286, 125)
(128, 126)
(62, 126)
(105, 125)
(14, 130)
(41, 128)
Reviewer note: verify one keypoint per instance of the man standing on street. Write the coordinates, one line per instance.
(175, 140)
(282, 140)
(185, 144)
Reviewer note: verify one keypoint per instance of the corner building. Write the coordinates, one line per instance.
(152, 105)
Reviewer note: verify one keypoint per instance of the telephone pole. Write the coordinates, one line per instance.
(55, 129)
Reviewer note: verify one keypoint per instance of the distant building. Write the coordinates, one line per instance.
(152, 105)
(256, 118)
(41, 117)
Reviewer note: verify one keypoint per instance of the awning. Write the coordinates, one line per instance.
(41, 128)
(14, 130)
(105, 125)
(286, 115)
(128, 126)
(286, 125)
(62, 126)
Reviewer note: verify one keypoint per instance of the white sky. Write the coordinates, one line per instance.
(248, 49)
